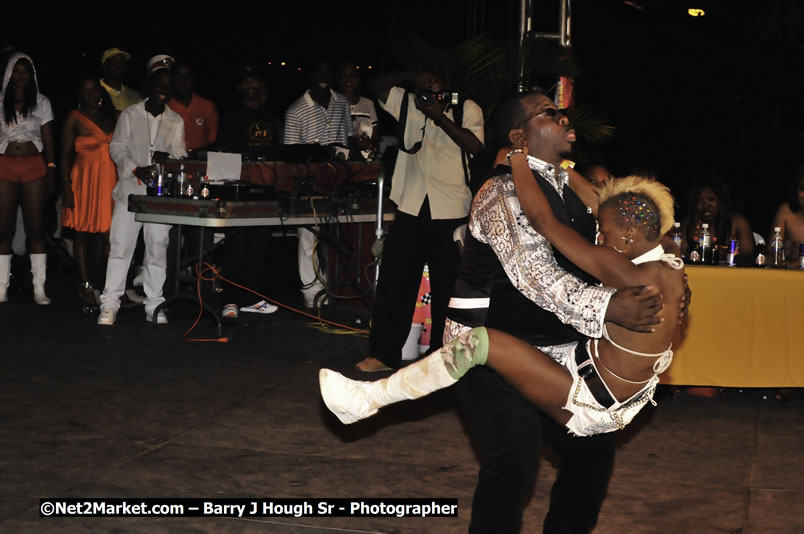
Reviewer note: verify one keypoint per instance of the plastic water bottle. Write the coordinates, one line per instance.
(776, 251)
(181, 182)
(705, 244)
(677, 234)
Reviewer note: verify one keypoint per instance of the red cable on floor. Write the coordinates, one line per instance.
(201, 275)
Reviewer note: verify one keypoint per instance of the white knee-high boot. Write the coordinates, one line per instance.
(353, 400)
(38, 269)
(5, 276)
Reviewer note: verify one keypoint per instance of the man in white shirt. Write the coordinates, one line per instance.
(146, 132)
(320, 116)
(430, 189)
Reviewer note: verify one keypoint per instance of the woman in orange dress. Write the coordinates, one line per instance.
(88, 187)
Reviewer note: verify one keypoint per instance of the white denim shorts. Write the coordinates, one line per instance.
(589, 415)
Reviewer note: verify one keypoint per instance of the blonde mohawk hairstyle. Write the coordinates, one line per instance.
(658, 193)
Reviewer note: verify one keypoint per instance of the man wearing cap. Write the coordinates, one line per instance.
(146, 132)
(114, 62)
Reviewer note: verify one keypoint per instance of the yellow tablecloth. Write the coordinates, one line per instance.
(745, 329)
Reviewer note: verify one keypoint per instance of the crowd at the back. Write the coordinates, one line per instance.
(112, 138)
(109, 142)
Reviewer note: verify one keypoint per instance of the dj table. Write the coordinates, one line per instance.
(292, 178)
(216, 213)
(233, 213)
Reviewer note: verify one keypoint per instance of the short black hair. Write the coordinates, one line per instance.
(440, 71)
(315, 63)
(184, 63)
(249, 70)
(507, 115)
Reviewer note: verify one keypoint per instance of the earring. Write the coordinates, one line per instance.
(627, 242)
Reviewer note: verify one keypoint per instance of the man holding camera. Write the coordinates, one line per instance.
(429, 187)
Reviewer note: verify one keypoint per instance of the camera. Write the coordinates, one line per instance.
(427, 97)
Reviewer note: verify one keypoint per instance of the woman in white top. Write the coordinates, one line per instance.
(27, 167)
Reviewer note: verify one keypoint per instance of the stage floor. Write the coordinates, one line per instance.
(127, 411)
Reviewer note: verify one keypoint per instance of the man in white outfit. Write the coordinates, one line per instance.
(146, 132)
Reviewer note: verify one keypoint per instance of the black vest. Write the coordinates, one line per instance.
(482, 275)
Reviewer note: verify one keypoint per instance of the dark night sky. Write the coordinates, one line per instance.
(685, 95)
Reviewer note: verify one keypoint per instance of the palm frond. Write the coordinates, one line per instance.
(590, 123)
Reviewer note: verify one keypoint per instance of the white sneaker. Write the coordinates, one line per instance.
(107, 316)
(349, 400)
(161, 318)
(262, 306)
(230, 311)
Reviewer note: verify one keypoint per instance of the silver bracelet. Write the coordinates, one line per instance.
(514, 151)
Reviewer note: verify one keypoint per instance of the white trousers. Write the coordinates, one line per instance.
(307, 242)
(123, 241)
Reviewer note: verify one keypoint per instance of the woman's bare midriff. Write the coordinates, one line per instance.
(21, 149)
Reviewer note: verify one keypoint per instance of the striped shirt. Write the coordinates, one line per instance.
(306, 122)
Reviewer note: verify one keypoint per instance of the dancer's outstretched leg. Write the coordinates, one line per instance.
(538, 377)
(352, 400)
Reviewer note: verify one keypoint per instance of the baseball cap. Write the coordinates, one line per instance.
(110, 52)
(158, 62)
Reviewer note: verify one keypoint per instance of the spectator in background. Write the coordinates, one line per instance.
(199, 114)
(366, 135)
(251, 129)
(27, 168)
(323, 117)
(18, 241)
(709, 202)
(146, 132)
(89, 176)
(790, 216)
(430, 189)
(597, 174)
(320, 116)
(113, 63)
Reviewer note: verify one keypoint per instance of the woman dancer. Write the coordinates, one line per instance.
(608, 381)
(27, 168)
(88, 186)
